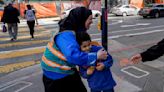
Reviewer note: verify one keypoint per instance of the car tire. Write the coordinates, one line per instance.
(156, 15)
(144, 16)
(124, 14)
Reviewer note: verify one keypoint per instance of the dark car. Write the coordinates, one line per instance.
(152, 10)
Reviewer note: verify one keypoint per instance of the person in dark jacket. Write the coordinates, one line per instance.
(10, 16)
(99, 76)
(150, 54)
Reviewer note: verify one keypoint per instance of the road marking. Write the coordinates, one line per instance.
(118, 21)
(136, 68)
(27, 84)
(16, 66)
(121, 31)
(124, 85)
(21, 52)
(11, 67)
(20, 79)
(23, 29)
(132, 34)
(45, 34)
(138, 24)
(23, 43)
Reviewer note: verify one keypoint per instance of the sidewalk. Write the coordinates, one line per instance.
(31, 80)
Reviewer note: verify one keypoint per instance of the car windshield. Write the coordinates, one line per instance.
(149, 5)
(118, 6)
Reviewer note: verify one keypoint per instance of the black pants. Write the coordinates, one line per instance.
(71, 83)
(31, 25)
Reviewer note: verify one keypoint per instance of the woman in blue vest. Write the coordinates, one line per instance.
(63, 53)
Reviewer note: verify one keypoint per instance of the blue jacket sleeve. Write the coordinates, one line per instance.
(109, 61)
(83, 72)
(67, 44)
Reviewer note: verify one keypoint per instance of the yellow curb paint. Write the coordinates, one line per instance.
(38, 28)
(21, 53)
(25, 37)
(22, 43)
(12, 67)
(26, 30)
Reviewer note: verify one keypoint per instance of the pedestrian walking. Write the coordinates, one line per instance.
(63, 53)
(10, 16)
(30, 17)
(99, 76)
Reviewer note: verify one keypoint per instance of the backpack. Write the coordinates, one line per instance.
(30, 16)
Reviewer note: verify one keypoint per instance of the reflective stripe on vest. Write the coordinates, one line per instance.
(55, 52)
(53, 64)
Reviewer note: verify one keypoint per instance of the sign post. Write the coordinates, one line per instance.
(104, 24)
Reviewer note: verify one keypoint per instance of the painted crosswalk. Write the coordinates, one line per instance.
(37, 46)
(22, 48)
(40, 49)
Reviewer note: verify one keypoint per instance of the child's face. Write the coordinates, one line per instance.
(85, 46)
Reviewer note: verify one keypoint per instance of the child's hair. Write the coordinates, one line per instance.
(82, 36)
(28, 6)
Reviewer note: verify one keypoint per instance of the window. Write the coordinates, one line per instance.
(160, 6)
(126, 7)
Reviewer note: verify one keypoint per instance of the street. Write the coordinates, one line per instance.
(19, 62)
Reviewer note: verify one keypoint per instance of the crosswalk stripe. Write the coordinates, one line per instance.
(28, 36)
(26, 30)
(21, 53)
(15, 66)
(23, 43)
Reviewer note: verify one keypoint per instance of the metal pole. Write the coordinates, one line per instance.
(19, 5)
(104, 24)
(60, 9)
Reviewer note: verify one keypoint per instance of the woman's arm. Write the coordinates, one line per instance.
(83, 72)
(67, 44)
(109, 61)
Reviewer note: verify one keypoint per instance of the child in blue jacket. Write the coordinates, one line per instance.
(99, 76)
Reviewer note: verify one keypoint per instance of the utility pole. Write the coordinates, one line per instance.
(19, 1)
(104, 24)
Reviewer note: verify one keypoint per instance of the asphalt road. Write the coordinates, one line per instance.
(19, 62)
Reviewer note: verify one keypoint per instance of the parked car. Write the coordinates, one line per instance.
(152, 10)
(95, 13)
(125, 10)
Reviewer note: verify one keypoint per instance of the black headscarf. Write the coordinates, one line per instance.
(75, 20)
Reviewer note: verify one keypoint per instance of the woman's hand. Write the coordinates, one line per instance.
(102, 54)
(136, 59)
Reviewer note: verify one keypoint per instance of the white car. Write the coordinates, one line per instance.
(125, 10)
(95, 13)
